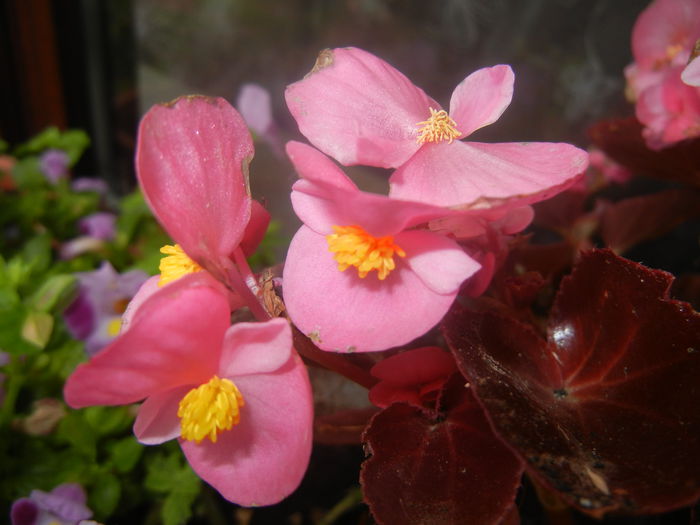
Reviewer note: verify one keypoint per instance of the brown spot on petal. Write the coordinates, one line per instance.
(325, 59)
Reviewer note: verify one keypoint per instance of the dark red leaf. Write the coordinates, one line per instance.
(448, 468)
(637, 219)
(622, 140)
(607, 411)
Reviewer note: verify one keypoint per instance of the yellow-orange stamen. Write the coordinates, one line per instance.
(175, 264)
(437, 128)
(208, 409)
(353, 246)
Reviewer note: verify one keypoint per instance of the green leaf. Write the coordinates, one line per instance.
(108, 420)
(55, 294)
(12, 319)
(37, 253)
(177, 507)
(73, 142)
(37, 328)
(167, 473)
(74, 429)
(126, 453)
(104, 495)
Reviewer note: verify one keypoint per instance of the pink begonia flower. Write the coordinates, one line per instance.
(359, 275)
(662, 42)
(691, 73)
(237, 397)
(192, 164)
(360, 110)
(412, 377)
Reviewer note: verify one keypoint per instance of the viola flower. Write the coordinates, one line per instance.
(192, 164)
(360, 275)
(237, 397)
(54, 164)
(358, 109)
(662, 42)
(64, 505)
(99, 225)
(95, 315)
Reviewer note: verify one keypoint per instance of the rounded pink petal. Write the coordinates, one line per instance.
(691, 74)
(358, 109)
(314, 166)
(440, 262)
(481, 98)
(255, 348)
(256, 228)
(261, 460)
(147, 290)
(341, 312)
(477, 174)
(157, 420)
(192, 161)
(174, 338)
(664, 28)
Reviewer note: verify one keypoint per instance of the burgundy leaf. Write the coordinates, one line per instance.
(438, 468)
(606, 411)
(622, 140)
(637, 219)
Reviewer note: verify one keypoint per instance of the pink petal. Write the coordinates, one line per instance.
(255, 348)
(358, 109)
(192, 162)
(314, 166)
(465, 173)
(663, 25)
(481, 98)
(174, 338)
(157, 420)
(256, 228)
(691, 74)
(439, 262)
(255, 107)
(147, 290)
(263, 458)
(344, 313)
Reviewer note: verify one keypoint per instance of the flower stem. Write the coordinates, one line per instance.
(246, 285)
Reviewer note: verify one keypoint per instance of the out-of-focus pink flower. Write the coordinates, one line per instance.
(54, 164)
(237, 397)
(254, 104)
(64, 505)
(691, 74)
(412, 377)
(662, 41)
(95, 315)
(360, 110)
(610, 170)
(360, 275)
(192, 164)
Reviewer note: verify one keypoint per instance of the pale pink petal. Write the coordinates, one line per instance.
(174, 338)
(344, 313)
(440, 262)
(481, 98)
(261, 460)
(192, 162)
(157, 420)
(147, 289)
(666, 32)
(255, 348)
(255, 107)
(256, 228)
(358, 109)
(466, 173)
(479, 283)
(416, 366)
(314, 166)
(691, 74)
(516, 220)
(321, 207)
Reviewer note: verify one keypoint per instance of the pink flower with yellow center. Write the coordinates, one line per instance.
(237, 397)
(358, 109)
(363, 273)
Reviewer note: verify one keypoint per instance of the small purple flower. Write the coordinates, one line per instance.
(64, 505)
(54, 164)
(89, 184)
(95, 315)
(98, 225)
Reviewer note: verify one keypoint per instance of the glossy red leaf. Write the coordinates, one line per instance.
(622, 140)
(438, 468)
(606, 411)
(631, 221)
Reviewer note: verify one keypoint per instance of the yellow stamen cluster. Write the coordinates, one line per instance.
(437, 128)
(209, 409)
(353, 246)
(175, 264)
(114, 326)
